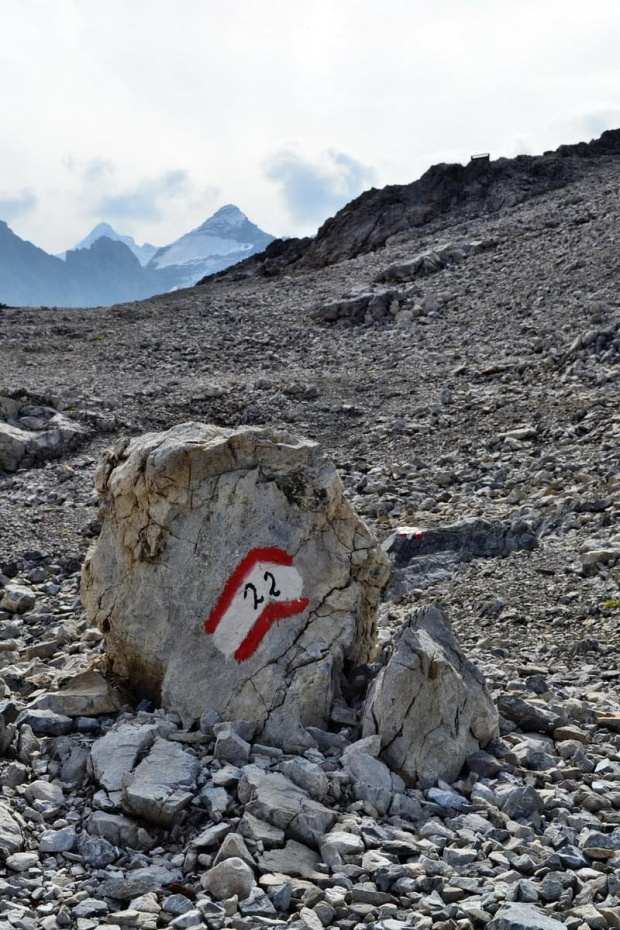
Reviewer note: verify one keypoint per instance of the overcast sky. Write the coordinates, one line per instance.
(151, 114)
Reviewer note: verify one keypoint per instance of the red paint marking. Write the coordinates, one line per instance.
(243, 569)
(411, 531)
(273, 612)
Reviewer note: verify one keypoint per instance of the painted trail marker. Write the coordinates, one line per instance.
(232, 574)
(264, 589)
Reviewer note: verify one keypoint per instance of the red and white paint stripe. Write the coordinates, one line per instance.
(264, 589)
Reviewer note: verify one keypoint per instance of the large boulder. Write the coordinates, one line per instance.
(429, 704)
(232, 574)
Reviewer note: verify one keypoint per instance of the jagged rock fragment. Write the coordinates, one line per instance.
(429, 704)
(161, 786)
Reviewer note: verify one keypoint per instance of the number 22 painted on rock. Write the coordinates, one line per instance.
(264, 588)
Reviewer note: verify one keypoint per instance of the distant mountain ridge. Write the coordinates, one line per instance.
(105, 273)
(142, 252)
(107, 267)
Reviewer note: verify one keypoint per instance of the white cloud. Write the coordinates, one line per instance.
(314, 188)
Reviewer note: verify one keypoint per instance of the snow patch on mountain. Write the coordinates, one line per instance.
(224, 239)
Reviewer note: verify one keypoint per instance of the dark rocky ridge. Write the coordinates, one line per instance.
(372, 219)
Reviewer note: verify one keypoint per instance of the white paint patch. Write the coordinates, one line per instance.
(267, 583)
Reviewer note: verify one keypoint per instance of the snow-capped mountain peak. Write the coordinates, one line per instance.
(222, 240)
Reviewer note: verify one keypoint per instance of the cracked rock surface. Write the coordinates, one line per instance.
(182, 513)
(429, 705)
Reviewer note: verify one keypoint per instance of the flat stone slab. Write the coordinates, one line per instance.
(422, 557)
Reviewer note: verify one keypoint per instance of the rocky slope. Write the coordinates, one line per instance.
(477, 381)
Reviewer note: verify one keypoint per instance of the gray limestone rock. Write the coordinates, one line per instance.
(118, 830)
(139, 882)
(281, 803)
(11, 837)
(527, 715)
(21, 446)
(259, 831)
(45, 722)
(294, 859)
(307, 775)
(234, 847)
(17, 599)
(85, 695)
(231, 877)
(158, 788)
(231, 573)
(430, 262)
(429, 704)
(338, 845)
(524, 917)
(115, 754)
(372, 778)
(55, 841)
(230, 747)
(422, 557)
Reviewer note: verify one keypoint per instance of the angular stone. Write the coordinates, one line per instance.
(22, 861)
(294, 859)
(141, 881)
(157, 789)
(337, 846)
(260, 831)
(85, 695)
(16, 598)
(234, 847)
(115, 754)
(523, 917)
(11, 838)
(423, 557)
(58, 841)
(118, 830)
(90, 907)
(372, 778)
(231, 877)
(211, 836)
(527, 715)
(46, 722)
(307, 775)
(257, 904)
(209, 537)
(286, 806)
(429, 704)
(24, 446)
(96, 851)
(230, 747)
